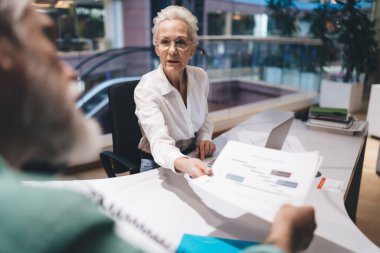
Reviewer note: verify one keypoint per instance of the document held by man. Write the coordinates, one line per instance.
(260, 180)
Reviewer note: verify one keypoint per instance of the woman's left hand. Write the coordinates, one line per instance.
(205, 149)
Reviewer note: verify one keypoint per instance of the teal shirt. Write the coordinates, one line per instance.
(39, 220)
(42, 220)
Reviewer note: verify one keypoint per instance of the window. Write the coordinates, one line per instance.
(216, 23)
(242, 24)
(78, 26)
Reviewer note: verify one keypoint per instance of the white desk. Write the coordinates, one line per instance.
(169, 206)
(343, 160)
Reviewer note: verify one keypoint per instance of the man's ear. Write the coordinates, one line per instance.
(6, 49)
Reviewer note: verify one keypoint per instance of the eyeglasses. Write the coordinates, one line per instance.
(180, 44)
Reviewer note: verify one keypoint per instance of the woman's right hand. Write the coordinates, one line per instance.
(192, 166)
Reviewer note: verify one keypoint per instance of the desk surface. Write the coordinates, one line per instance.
(169, 205)
(340, 153)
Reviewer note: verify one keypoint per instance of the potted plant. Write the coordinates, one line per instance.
(353, 31)
(291, 65)
(310, 68)
(303, 23)
(283, 17)
(272, 67)
(282, 66)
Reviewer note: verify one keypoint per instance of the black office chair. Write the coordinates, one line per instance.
(126, 132)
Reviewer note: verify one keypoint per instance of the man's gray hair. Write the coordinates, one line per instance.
(41, 121)
(175, 12)
(11, 11)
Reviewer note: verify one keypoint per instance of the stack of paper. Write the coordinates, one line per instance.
(330, 117)
(260, 180)
(334, 120)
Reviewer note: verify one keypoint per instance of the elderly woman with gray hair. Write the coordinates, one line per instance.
(171, 101)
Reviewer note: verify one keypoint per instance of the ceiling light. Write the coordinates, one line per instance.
(64, 4)
(236, 17)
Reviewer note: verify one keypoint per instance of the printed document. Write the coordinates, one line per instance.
(260, 180)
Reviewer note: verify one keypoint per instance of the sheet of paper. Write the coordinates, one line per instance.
(260, 180)
(291, 144)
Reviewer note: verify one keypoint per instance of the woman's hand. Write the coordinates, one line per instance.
(205, 149)
(192, 166)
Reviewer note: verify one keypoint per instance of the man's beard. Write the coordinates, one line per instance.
(57, 131)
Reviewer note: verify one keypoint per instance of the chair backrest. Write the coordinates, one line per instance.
(126, 132)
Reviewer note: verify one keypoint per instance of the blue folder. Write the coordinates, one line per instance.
(207, 244)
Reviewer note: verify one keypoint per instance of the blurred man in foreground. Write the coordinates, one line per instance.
(40, 122)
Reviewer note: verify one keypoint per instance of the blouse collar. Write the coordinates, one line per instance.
(164, 85)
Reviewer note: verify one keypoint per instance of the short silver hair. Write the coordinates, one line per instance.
(175, 12)
(11, 12)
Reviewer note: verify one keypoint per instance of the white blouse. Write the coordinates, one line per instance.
(165, 119)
